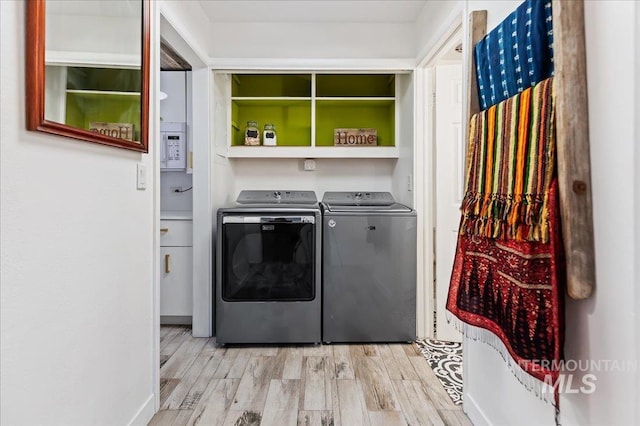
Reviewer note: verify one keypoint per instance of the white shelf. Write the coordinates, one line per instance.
(356, 98)
(310, 152)
(102, 92)
(270, 98)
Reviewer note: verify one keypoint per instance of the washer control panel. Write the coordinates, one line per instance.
(358, 198)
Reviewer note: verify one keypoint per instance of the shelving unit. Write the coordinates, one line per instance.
(306, 108)
(102, 95)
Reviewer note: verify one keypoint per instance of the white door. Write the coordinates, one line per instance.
(449, 169)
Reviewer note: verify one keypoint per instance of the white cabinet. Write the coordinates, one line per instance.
(176, 275)
(174, 107)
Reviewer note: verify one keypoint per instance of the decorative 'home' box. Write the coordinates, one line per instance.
(116, 130)
(355, 137)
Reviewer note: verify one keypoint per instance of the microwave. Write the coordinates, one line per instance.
(173, 146)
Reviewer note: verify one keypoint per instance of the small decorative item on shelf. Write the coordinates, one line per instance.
(251, 134)
(269, 137)
(355, 137)
(115, 130)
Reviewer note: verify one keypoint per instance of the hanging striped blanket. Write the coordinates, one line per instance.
(507, 274)
(510, 165)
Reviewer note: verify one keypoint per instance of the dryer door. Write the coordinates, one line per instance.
(268, 258)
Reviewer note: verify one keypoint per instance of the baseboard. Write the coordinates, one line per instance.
(176, 320)
(474, 412)
(144, 414)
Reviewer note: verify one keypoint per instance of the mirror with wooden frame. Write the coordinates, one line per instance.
(87, 70)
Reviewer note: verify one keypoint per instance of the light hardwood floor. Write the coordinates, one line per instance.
(348, 385)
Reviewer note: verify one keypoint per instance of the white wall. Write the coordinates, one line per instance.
(93, 34)
(605, 327)
(330, 175)
(174, 109)
(176, 201)
(76, 274)
(188, 31)
(93, 39)
(403, 172)
(311, 40)
(436, 18)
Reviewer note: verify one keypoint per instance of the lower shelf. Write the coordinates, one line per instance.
(309, 152)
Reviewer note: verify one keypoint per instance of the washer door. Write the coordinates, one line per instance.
(268, 260)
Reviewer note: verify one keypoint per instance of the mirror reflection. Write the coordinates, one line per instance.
(93, 76)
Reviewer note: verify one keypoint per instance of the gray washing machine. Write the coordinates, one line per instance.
(369, 268)
(268, 287)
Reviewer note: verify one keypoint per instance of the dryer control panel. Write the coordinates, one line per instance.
(276, 197)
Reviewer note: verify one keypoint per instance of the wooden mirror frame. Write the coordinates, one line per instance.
(35, 83)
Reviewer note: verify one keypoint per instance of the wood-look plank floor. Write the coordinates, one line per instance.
(326, 385)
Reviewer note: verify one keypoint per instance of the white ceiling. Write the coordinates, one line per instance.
(313, 11)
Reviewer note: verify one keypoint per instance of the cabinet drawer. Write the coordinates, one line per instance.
(176, 233)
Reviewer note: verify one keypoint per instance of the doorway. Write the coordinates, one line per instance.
(443, 162)
(176, 188)
(449, 178)
(198, 236)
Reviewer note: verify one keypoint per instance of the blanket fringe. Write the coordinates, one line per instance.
(540, 389)
(519, 217)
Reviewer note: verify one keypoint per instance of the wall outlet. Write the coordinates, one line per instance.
(177, 189)
(309, 165)
(409, 183)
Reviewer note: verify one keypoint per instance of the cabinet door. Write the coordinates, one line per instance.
(176, 292)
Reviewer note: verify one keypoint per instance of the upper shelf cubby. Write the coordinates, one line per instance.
(104, 79)
(355, 85)
(271, 86)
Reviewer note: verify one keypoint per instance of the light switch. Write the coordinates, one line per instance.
(141, 173)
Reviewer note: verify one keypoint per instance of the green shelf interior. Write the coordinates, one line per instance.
(84, 108)
(291, 118)
(104, 79)
(271, 85)
(355, 114)
(355, 85)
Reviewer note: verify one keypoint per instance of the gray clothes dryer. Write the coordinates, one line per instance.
(369, 268)
(268, 287)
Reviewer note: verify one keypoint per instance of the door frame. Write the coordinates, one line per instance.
(424, 166)
(202, 265)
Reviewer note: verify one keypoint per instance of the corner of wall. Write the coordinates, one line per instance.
(145, 413)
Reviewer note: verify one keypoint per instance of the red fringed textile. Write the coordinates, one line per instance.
(511, 286)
